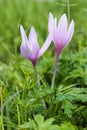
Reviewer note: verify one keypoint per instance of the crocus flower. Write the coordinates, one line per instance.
(61, 35)
(30, 48)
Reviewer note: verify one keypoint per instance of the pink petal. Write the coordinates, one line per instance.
(33, 42)
(45, 46)
(69, 33)
(23, 35)
(24, 50)
(32, 56)
(51, 24)
(24, 46)
(33, 45)
(62, 29)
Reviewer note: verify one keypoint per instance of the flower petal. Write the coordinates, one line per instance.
(23, 35)
(51, 24)
(23, 50)
(33, 42)
(69, 33)
(24, 46)
(62, 29)
(45, 45)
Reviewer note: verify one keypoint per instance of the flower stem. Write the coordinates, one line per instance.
(38, 81)
(37, 75)
(54, 73)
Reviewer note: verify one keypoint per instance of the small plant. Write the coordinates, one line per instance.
(38, 123)
(60, 36)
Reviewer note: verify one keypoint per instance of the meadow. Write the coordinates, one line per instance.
(25, 104)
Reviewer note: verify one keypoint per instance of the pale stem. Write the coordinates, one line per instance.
(54, 73)
(38, 81)
(37, 75)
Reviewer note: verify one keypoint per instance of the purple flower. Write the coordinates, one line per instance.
(30, 48)
(60, 33)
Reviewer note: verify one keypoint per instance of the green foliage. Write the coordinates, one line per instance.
(40, 124)
(1, 122)
(78, 62)
(69, 97)
(67, 126)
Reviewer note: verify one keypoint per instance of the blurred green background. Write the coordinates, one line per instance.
(35, 13)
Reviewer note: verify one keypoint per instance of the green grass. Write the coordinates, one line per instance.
(21, 99)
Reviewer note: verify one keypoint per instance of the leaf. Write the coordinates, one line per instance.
(67, 106)
(31, 124)
(39, 124)
(48, 122)
(39, 119)
(67, 126)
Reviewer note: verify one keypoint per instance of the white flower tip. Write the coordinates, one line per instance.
(64, 16)
(72, 24)
(33, 32)
(51, 15)
(32, 28)
(21, 28)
